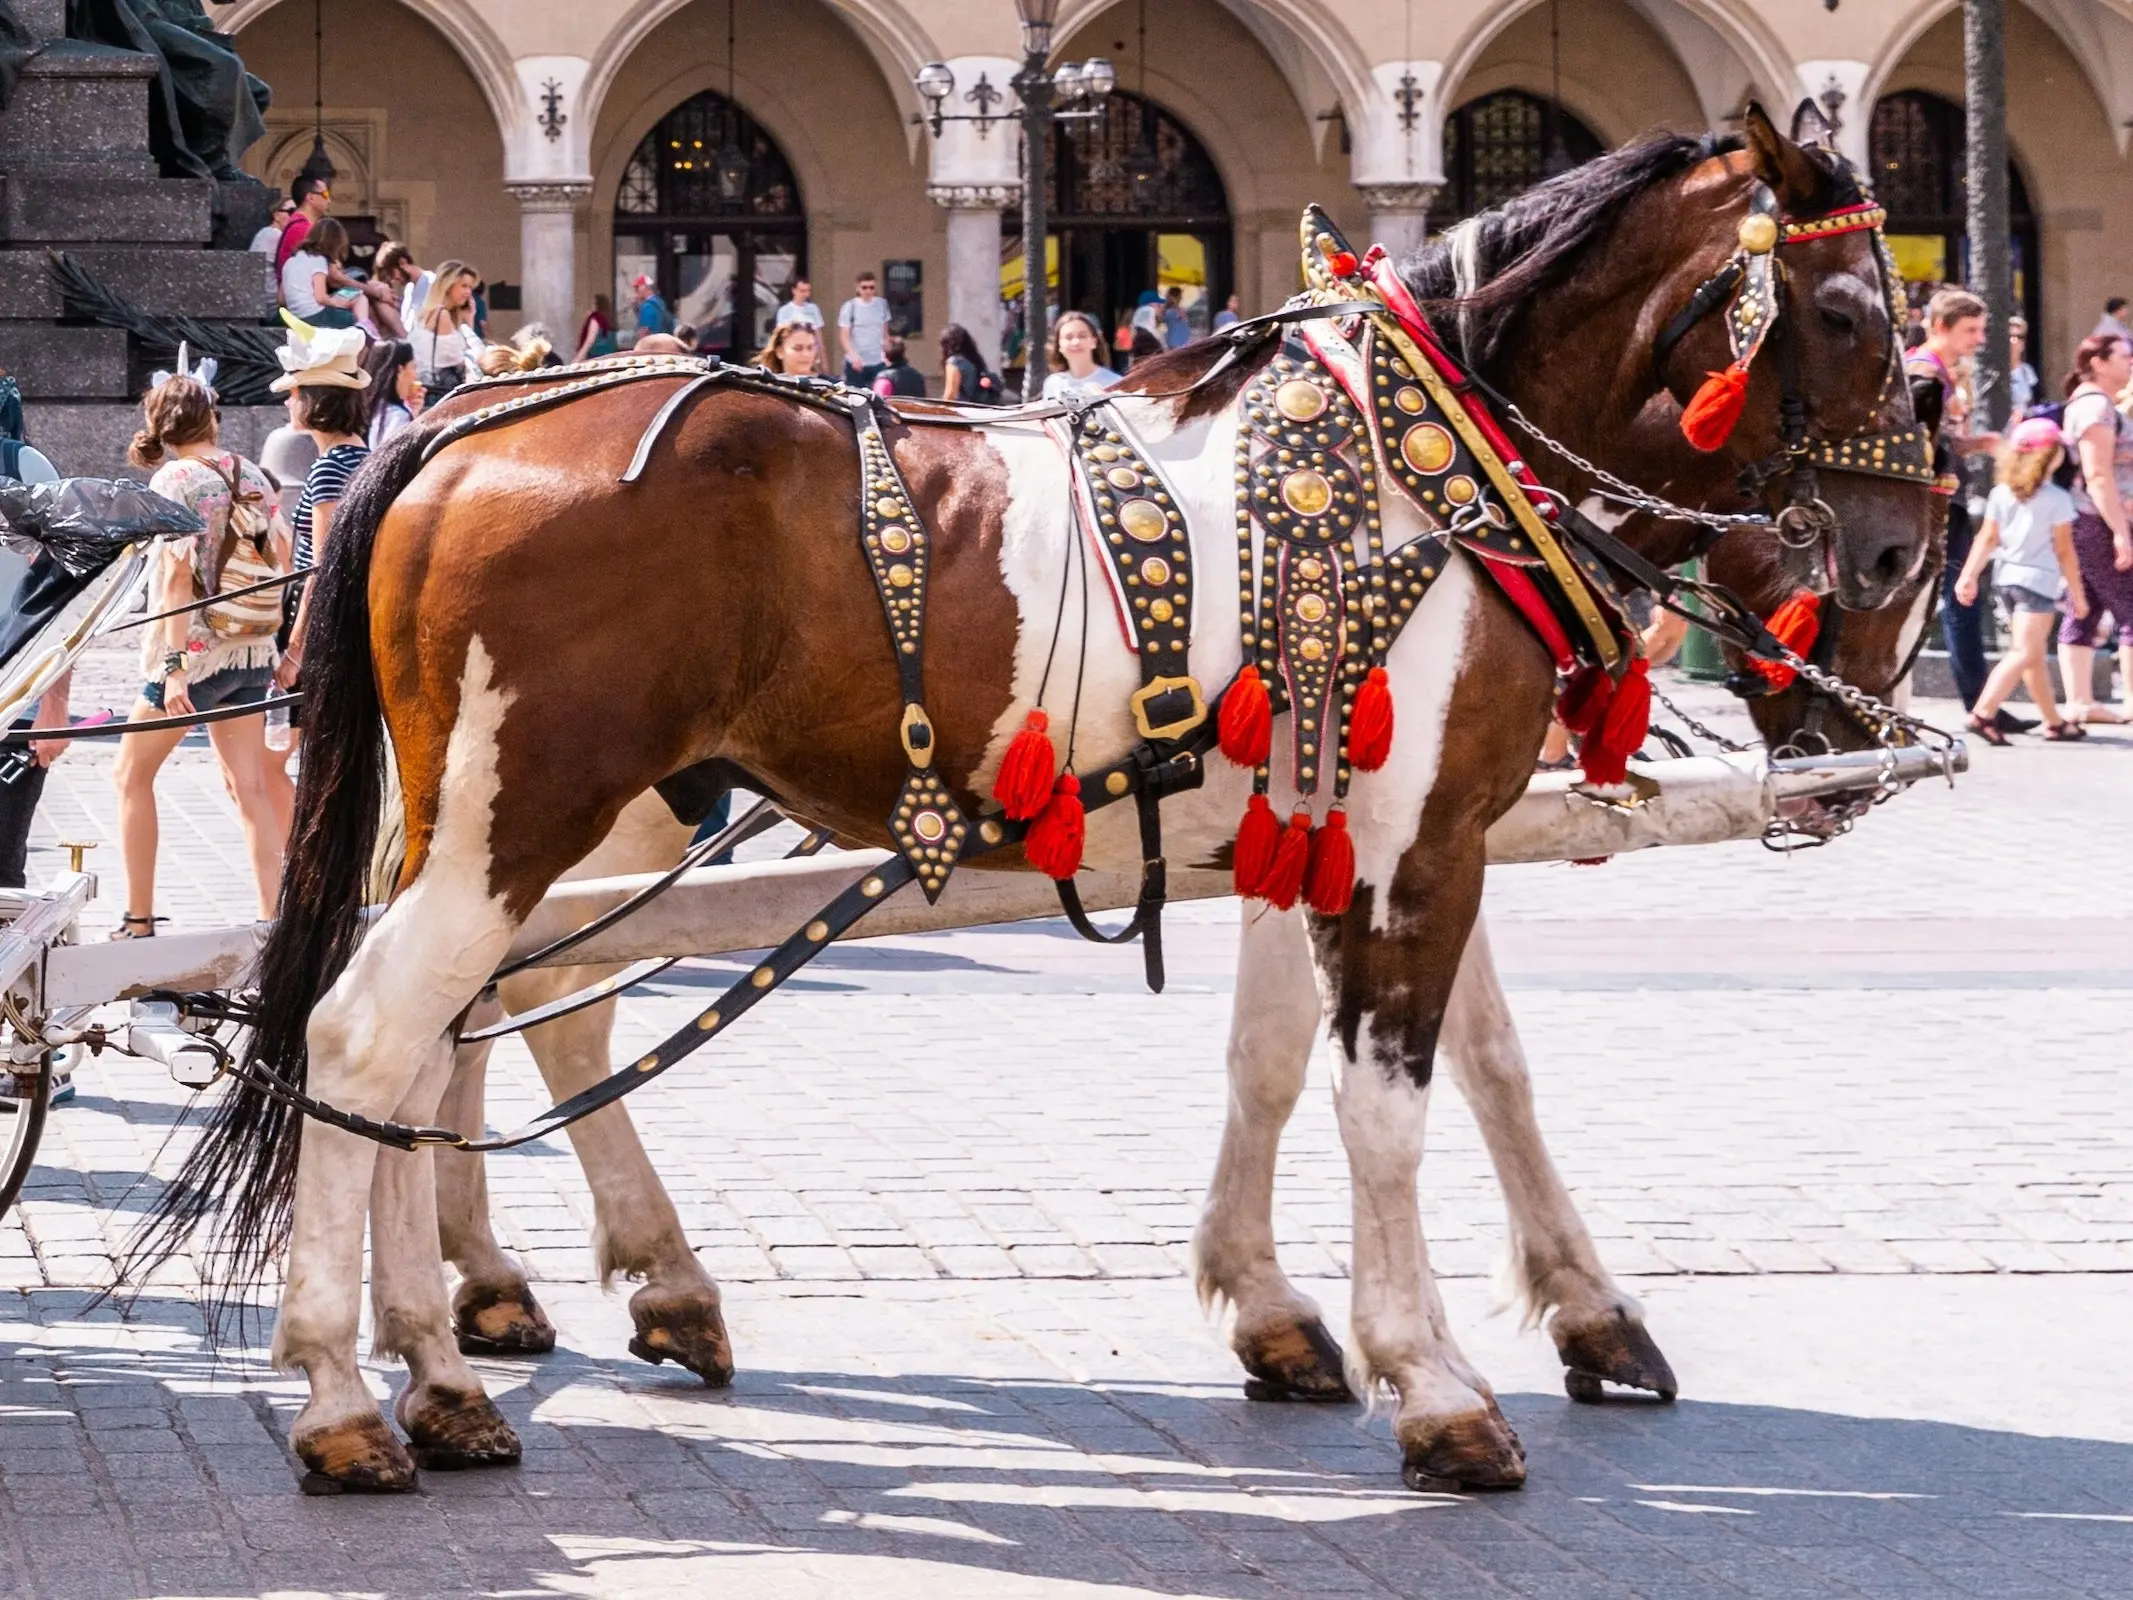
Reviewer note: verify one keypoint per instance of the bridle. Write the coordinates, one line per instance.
(1754, 289)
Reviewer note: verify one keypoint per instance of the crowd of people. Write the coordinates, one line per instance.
(2041, 517)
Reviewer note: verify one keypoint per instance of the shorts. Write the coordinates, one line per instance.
(2022, 600)
(233, 686)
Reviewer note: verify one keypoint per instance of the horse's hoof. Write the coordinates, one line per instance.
(685, 1328)
(1299, 1361)
(1478, 1451)
(500, 1321)
(452, 1430)
(1615, 1348)
(359, 1455)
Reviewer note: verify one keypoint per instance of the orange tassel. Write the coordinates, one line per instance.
(1247, 722)
(1607, 748)
(1584, 702)
(1796, 625)
(1331, 882)
(1055, 840)
(1370, 724)
(1252, 856)
(1715, 408)
(1292, 859)
(1025, 780)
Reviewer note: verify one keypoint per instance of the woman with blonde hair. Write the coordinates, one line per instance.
(795, 350)
(447, 349)
(2029, 520)
(223, 655)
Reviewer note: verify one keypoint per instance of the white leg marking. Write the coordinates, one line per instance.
(373, 1033)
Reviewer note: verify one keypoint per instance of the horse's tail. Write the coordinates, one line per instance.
(243, 1169)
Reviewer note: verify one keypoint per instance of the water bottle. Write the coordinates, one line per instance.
(279, 734)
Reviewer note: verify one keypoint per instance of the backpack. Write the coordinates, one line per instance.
(986, 391)
(241, 556)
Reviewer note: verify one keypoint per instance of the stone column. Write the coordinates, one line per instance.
(548, 256)
(1399, 215)
(974, 257)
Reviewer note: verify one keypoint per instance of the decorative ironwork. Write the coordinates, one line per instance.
(675, 170)
(1917, 160)
(1137, 161)
(1409, 97)
(552, 117)
(1499, 146)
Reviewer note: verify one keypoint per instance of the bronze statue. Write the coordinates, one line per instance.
(205, 110)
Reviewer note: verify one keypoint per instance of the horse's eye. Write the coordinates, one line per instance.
(1837, 322)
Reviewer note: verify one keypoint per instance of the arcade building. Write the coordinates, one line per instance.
(725, 148)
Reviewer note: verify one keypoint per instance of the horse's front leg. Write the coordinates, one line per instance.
(1473, 691)
(1278, 1333)
(637, 1233)
(1598, 1327)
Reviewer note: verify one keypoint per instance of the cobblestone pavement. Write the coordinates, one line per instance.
(1852, 1120)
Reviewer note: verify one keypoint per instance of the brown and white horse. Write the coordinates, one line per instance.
(512, 597)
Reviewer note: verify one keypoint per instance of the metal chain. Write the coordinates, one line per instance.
(1628, 493)
(1708, 734)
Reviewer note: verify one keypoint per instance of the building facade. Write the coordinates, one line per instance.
(724, 148)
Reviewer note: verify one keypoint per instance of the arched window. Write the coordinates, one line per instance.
(1918, 173)
(1135, 204)
(709, 201)
(1502, 145)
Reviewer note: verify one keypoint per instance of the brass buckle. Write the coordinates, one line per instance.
(1168, 730)
(918, 753)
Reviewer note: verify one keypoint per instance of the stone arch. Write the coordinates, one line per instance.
(2098, 34)
(483, 54)
(1324, 65)
(1728, 53)
(894, 39)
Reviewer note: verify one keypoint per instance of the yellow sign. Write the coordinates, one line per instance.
(1011, 271)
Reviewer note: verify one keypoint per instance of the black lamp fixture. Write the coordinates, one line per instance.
(733, 165)
(318, 164)
(1556, 160)
(1142, 164)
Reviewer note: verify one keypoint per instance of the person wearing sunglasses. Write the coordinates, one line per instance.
(313, 198)
(268, 239)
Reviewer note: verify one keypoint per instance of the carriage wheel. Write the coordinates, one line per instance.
(21, 1126)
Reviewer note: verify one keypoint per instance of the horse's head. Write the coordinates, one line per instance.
(1792, 291)
(1747, 282)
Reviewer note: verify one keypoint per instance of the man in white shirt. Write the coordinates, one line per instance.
(2113, 321)
(862, 324)
(802, 311)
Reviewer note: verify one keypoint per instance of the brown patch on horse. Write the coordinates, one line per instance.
(739, 551)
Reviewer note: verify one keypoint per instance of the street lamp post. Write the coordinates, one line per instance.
(1075, 92)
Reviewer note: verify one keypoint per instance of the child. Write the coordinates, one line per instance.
(2030, 520)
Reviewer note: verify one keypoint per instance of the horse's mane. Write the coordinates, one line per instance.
(1484, 272)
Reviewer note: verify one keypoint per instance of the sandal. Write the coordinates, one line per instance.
(1988, 730)
(2065, 732)
(133, 927)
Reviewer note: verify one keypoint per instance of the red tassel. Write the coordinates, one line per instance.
(1054, 841)
(1025, 780)
(1247, 721)
(1331, 882)
(1584, 702)
(1252, 856)
(1796, 625)
(1292, 859)
(1716, 407)
(1607, 748)
(1370, 724)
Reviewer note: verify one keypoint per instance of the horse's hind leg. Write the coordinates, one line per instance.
(1278, 1333)
(494, 1312)
(447, 1418)
(1597, 1326)
(378, 1027)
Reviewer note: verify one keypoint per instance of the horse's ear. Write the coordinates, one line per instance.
(1789, 171)
(1810, 126)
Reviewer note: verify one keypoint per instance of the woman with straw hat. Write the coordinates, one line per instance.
(323, 376)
